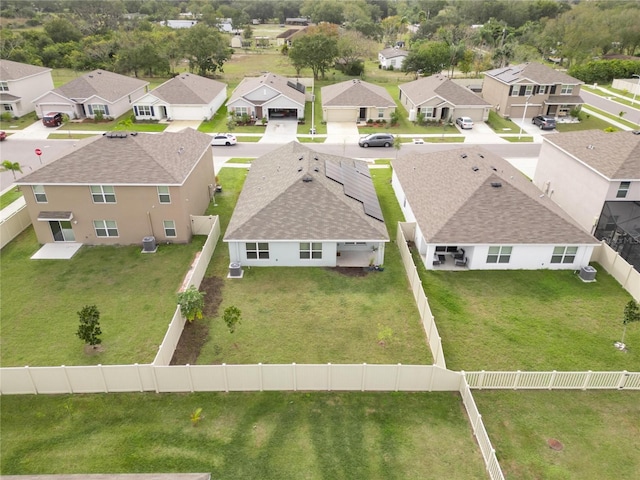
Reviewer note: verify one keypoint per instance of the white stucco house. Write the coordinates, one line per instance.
(595, 177)
(299, 207)
(270, 95)
(101, 91)
(185, 97)
(356, 101)
(473, 210)
(392, 58)
(20, 84)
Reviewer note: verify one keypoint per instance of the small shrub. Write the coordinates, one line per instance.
(196, 416)
(231, 317)
(98, 117)
(191, 303)
(370, 121)
(6, 116)
(89, 328)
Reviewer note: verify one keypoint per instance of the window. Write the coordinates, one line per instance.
(97, 108)
(566, 90)
(543, 89)
(623, 189)
(169, 228)
(144, 110)
(4, 87)
(380, 112)
(355, 243)
(103, 194)
(563, 110)
(105, 228)
(564, 254)
(528, 90)
(239, 111)
(257, 250)
(515, 90)
(310, 250)
(39, 193)
(7, 107)
(163, 195)
(499, 254)
(429, 112)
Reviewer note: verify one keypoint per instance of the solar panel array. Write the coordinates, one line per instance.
(357, 185)
(298, 86)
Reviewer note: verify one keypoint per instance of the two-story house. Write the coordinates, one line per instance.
(20, 84)
(392, 58)
(595, 177)
(119, 188)
(531, 89)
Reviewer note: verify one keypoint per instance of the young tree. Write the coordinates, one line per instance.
(13, 167)
(631, 314)
(231, 317)
(191, 303)
(89, 328)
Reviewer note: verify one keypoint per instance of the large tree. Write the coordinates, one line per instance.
(316, 51)
(427, 58)
(205, 48)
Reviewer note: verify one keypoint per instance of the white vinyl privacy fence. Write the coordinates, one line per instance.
(554, 380)
(618, 268)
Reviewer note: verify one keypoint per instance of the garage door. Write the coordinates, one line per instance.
(342, 115)
(283, 113)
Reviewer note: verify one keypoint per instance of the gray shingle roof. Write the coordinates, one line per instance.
(393, 53)
(453, 204)
(189, 89)
(154, 159)
(10, 70)
(425, 88)
(277, 82)
(356, 93)
(275, 204)
(534, 72)
(615, 155)
(107, 85)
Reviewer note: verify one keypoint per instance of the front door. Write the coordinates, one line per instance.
(363, 113)
(62, 231)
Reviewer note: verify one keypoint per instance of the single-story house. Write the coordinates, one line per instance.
(299, 207)
(178, 24)
(185, 97)
(473, 210)
(288, 36)
(20, 84)
(595, 177)
(440, 98)
(356, 101)
(270, 95)
(392, 58)
(531, 89)
(99, 91)
(119, 188)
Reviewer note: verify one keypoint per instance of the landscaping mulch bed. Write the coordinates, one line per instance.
(195, 334)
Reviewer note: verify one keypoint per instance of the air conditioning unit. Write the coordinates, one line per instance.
(235, 271)
(588, 274)
(149, 245)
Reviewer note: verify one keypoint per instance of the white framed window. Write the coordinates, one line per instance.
(528, 90)
(566, 90)
(39, 193)
(105, 228)
(257, 250)
(563, 110)
(145, 110)
(623, 189)
(429, 112)
(543, 89)
(103, 194)
(515, 90)
(355, 243)
(380, 112)
(169, 228)
(310, 250)
(499, 254)
(96, 108)
(7, 107)
(163, 195)
(238, 111)
(4, 87)
(564, 254)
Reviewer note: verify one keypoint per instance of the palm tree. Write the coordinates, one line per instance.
(12, 166)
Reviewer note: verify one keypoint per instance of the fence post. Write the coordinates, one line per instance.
(398, 367)
(364, 374)
(189, 375)
(481, 379)
(516, 380)
(552, 379)
(104, 380)
(475, 425)
(260, 372)
(33, 384)
(328, 377)
(623, 379)
(66, 376)
(139, 377)
(295, 377)
(587, 377)
(226, 380)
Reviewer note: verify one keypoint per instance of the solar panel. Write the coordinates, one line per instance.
(333, 171)
(357, 184)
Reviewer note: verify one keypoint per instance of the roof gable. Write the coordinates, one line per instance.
(274, 82)
(356, 93)
(533, 72)
(393, 53)
(106, 85)
(423, 89)
(189, 89)
(10, 70)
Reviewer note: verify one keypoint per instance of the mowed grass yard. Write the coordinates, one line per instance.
(314, 315)
(260, 435)
(599, 431)
(135, 294)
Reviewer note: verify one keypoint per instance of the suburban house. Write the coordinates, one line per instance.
(356, 101)
(299, 207)
(185, 97)
(288, 36)
(270, 95)
(120, 188)
(392, 58)
(20, 84)
(440, 98)
(99, 91)
(595, 177)
(539, 89)
(178, 24)
(473, 210)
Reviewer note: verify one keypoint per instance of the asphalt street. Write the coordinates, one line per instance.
(609, 106)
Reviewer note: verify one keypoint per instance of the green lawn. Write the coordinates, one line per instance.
(9, 197)
(340, 317)
(523, 139)
(268, 435)
(135, 294)
(531, 320)
(19, 123)
(615, 118)
(598, 431)
(123, 122)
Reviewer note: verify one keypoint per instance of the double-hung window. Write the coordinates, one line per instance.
(163, 195)
(623, 189)
(257, 250)
(39, 193)
(169, 228)
(97, 108)
(105, 228)
(528, 90)
(564, 254)
(310, 250)
(144, 110)
(499, 254)
(103, 194)
(381, 113)
(566, 90)
(4, 87)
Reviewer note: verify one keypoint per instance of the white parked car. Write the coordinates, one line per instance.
(464, 122)
(224, 139)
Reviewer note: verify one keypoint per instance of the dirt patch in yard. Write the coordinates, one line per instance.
(351, 271)
(195, 334)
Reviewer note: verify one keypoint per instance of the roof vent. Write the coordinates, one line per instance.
(301, 158)
(475, 169)
(496, 184)
(481, 155)
(299, 169)
(316, 158)
(307, 179)
(464, 155)
(494, 168)
(636, 132)
(590, 147)
(316, 169)
(134, 134)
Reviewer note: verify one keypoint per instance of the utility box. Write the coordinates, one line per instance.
(588, 274)
(235, 270)
(149, 245)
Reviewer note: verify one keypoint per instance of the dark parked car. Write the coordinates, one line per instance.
(376, 140)
(52, 119)
(3, 135)
(544, 122)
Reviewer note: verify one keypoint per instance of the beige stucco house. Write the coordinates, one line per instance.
(356, 101)
(439, 98)
(119, 188)
(101, 91)
(595, 177)
(20, 84)
(541, 89)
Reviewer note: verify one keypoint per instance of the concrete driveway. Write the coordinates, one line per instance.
(178, 125)
(342, 132)
(480, 133)
(280, 130)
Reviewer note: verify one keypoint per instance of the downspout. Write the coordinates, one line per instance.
(150, 224)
